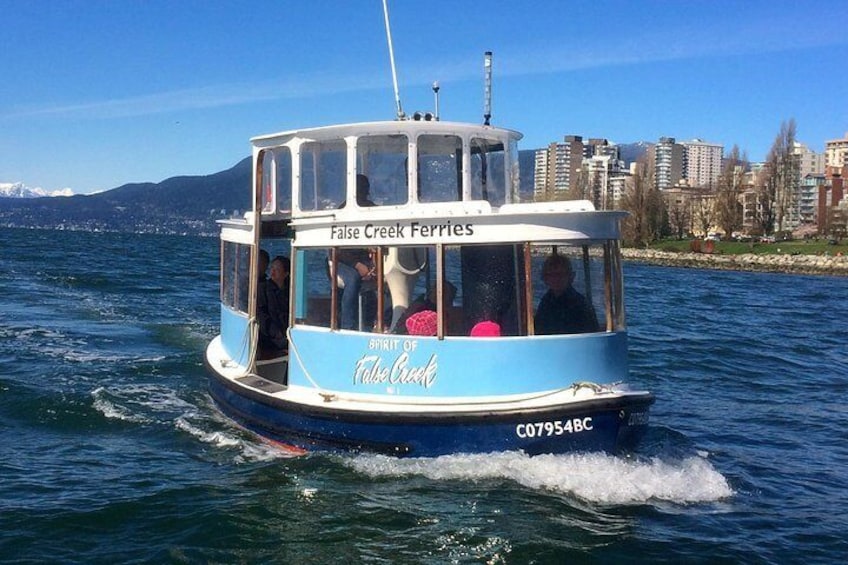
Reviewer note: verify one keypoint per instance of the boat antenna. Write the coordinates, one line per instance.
(400, 114)
(436, 93)
(487, 87)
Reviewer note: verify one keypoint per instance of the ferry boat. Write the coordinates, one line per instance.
(441, 345)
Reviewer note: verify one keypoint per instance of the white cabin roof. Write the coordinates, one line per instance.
(409, 127)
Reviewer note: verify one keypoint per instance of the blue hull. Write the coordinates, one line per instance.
(610, 425)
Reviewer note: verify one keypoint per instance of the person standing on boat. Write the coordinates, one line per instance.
(273, 310)
(562, 309)
(355, 265)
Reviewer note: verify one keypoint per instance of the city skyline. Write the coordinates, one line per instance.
(99, 95)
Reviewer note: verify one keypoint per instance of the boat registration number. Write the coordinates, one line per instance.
(554, 428)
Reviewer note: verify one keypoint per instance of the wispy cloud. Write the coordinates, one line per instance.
(213, 96)
(683, 43)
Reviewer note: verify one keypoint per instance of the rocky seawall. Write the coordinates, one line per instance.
(781, 263)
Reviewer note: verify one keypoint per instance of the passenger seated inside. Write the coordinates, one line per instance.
(562, 309)
(272, 310)
(425, 302)
(363, 193)
(353, 267)
(423, 323)
(486, 328)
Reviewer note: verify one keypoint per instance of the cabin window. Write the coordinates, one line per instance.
(505, 289)
(480, 288)
(283, 168)
(576, 288)
(439, 168)
(384, 160)
(490, 278)
(312, 287)
(235, 275)
(488, 175)
(266, 180)
(323, 174)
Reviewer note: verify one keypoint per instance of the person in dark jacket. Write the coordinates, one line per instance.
(562, 309)
(272, 310)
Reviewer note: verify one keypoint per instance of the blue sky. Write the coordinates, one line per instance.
(98, 93)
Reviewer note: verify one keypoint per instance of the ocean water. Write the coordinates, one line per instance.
(112, 452)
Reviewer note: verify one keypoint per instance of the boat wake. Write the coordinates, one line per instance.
(593, 477)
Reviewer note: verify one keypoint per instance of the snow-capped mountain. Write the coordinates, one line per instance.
(20, 190)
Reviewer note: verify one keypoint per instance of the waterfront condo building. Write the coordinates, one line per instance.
(702, 163)
(557, 168)
(810, 166)
(836, 152)
(809, 162)
(667, 156)
(579, 169)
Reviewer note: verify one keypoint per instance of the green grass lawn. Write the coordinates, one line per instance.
(798, 247)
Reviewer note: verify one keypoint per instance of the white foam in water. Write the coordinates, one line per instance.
(111, 410)
(593, 477)
(217, 438)
(249, 450)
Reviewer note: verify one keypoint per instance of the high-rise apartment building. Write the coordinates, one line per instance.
(702, 163)
(561, 167)
(540, 173)
(602, 188)
(600, 147)
(809, 162)
(836, 152)
(667, 155)
(810, 168)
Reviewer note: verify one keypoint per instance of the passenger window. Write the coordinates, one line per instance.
(323, 170)
(492, 287)
(312, 288)
(384, 160)
(266, 182)
(571, 294)
(439, 168)
(235, 275)
(488, 176)
(283, 160)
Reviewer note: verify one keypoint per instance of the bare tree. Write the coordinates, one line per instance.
(646, 207)
(731, 183)
(777, 189)
(579, 187)
(764, 213)
(680, 216)
(703, 211)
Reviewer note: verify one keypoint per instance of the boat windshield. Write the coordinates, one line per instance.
(323, 171)
(383, 159)
(439, 168)
(488, 175)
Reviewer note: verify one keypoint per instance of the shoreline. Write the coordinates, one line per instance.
(828, 265)
(780, 263)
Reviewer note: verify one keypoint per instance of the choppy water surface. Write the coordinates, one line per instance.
(111, 450)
